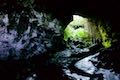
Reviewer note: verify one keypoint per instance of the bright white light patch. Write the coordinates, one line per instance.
(77, 17)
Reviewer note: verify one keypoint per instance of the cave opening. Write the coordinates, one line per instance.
(84, 30)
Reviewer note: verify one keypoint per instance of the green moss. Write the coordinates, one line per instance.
(106, 42)
(81, 33)
(76, 33)
(68, 33)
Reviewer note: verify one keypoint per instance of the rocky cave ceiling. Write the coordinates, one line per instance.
(63, 9)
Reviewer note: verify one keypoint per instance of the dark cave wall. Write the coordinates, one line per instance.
(107, 11)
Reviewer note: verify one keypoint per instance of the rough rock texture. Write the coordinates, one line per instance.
(31, 34)
(31, 43)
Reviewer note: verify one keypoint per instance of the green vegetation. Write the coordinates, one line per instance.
(81, 30)
(106, 42)
(74, 33)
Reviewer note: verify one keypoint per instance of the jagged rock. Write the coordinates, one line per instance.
(108, 74)
(75, 76)
(65, 53)
(32, 33)
(86, 65)
(33, 77)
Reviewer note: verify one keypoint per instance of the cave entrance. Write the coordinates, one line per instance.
(85, 32)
